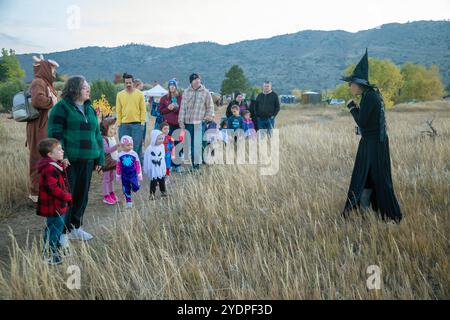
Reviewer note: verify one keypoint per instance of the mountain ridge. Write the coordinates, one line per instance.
(309, 59)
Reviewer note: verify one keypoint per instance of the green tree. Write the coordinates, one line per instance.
(10, 69)
(342, 91)
(252, 91)
(119, 87)
(421, 83)
(382, 73)
(235, 80)
(99, 87)
(7, 92)
(58, 85)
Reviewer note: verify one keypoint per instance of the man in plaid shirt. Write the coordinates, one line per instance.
(197, 106)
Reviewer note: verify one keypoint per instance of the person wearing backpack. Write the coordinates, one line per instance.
(43, 98)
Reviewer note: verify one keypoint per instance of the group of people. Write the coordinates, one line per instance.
(68, 143)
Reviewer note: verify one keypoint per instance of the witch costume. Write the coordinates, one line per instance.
(371, 181)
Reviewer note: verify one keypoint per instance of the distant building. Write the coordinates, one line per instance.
(311, 97)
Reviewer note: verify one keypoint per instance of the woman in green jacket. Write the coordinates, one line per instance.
(73, 121)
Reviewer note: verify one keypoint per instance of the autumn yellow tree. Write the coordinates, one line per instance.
(382, 73)
(420, 83)
(297, 93)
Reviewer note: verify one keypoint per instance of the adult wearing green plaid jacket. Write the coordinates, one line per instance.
(73, 121)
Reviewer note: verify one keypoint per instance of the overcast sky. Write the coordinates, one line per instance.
(47, 26)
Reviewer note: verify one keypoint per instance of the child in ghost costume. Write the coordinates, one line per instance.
(155, 164)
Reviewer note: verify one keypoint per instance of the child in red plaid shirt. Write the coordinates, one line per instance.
(54, 196)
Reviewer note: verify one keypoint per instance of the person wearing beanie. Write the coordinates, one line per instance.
(371, 181)
(193, 77)
(197, 106)
(170, 108)
(43, 98)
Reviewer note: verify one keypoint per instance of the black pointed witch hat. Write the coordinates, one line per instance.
(361, 73)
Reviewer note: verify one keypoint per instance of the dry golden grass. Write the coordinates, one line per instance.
(14, 185)
(230, 233)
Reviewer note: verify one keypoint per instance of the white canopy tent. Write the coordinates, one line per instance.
(156, 91)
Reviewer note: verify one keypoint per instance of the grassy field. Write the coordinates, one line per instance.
(230, 233)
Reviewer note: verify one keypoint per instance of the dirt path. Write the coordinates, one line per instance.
(25, 224)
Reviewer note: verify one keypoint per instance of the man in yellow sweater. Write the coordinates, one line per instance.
(131, 113)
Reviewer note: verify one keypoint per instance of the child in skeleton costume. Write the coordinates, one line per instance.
(154, 163)
(128, 169)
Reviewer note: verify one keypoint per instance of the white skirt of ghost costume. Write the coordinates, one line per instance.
(154, 158)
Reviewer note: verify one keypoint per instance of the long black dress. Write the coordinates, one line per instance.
(372, 168)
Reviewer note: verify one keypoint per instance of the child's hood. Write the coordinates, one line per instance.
(155, 134)
(44, 162)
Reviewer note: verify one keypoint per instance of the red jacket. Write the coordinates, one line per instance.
(170, 116)
(54, 191)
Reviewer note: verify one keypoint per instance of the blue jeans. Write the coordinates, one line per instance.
(196, 132)
(54, 227)
(136, 131)
(267, 124)
(144, 132)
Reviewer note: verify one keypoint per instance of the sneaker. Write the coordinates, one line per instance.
(108, 200)
(179, 169)
(80, 234)
(164, 194)
(53, 259)
(193, 170)
(114, 197)
(64, 241)
(129, 205)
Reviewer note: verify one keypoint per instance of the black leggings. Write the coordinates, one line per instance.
(154, 183)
